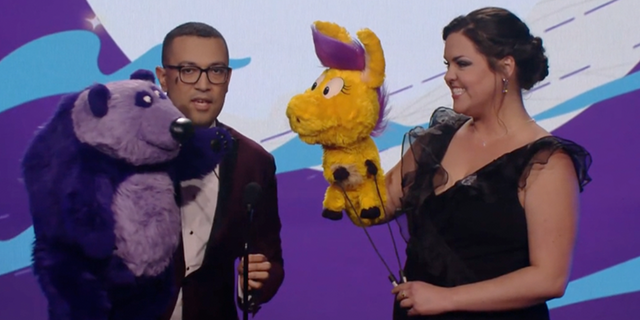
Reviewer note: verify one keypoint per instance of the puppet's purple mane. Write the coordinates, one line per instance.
(336, 54)
(383, 101)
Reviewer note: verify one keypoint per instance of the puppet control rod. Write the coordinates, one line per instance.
(391, 277)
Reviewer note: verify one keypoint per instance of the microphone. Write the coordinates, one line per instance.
(252, 192)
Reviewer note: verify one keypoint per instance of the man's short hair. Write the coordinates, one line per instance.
(197, 29)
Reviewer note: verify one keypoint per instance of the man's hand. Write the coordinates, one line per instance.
(258, 270)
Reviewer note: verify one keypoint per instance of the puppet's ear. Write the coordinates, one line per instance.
(143, 74)
(98, 98)
(374, 72)
(332, 30)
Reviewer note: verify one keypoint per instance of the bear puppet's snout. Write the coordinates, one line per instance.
(181, 129)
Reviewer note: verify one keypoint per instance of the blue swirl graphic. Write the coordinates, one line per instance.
(70, 64)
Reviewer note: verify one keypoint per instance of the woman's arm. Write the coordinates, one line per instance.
(551, 202)
(393, 182)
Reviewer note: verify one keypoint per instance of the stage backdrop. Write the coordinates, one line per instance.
(592, 96)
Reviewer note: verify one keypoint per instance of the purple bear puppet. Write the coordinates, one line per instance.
(101, 178)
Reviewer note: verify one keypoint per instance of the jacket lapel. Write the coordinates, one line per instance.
(227, 168)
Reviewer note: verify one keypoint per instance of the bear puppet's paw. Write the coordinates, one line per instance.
(203, 152)
(213, 143)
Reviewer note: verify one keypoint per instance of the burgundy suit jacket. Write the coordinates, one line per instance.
(208, 293)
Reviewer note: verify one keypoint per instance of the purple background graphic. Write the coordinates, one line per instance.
(331, 269)
(18, 124)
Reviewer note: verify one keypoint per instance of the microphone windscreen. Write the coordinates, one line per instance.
(251, 194)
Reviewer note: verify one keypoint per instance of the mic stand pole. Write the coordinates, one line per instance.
(245, 269)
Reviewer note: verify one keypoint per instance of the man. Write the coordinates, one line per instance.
(196, 74)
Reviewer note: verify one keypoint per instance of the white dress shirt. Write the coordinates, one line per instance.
(198, 210)
(199, 201)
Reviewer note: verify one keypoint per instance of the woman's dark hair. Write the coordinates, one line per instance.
(498, 33)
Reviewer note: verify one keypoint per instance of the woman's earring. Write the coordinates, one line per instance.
(505, 84)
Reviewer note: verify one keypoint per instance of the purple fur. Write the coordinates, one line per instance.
(143, 74)
(196, 157)
(101, 196)
(145, 215)
(337, 54)
(383, 101)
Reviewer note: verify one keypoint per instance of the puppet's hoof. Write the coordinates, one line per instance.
(371, 167)
(332, 215)
(370, 213)
(341, 174)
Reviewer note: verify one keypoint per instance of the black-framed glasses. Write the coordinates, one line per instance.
(192, 74)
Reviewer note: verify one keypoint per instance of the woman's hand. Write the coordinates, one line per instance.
(421, 298)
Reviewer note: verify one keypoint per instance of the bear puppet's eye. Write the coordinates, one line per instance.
(159, 94)
(143, 99)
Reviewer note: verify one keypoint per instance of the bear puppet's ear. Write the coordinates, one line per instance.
(142, 74)
(98, 98)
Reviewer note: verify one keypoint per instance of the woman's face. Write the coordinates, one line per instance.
(474, 86)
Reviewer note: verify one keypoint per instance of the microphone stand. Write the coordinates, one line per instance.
(251, 195)
(245, 269)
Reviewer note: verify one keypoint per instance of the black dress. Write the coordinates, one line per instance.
(476, 230)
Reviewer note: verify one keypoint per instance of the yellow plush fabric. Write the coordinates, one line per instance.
(340, 111)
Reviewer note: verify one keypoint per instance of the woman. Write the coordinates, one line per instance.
(491, 198)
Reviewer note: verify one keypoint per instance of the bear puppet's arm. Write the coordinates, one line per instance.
(87, 215)
(203, 152)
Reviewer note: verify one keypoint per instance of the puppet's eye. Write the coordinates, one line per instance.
(319, 80)
(159, 93)
(334, 86)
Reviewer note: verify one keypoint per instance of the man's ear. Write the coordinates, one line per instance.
(228, 80)
(161, 75)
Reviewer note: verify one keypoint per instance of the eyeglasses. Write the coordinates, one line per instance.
(191, 74)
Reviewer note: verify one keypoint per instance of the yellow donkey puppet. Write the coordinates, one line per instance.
(341, 111)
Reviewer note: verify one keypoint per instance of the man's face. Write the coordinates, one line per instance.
(201, 101)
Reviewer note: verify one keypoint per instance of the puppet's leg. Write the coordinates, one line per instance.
(333, 203)
(372, 195)
(354, 205)
(371, 208)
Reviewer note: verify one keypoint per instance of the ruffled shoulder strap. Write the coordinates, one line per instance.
(443, 124)
(539, 152)
(422, 151)
(446, 116)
